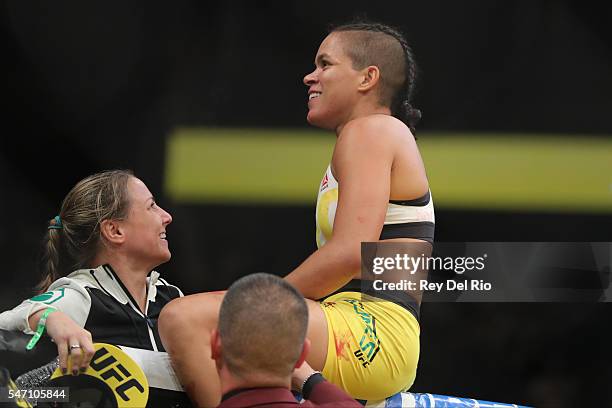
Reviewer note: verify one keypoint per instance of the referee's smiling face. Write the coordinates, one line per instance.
(145, 228)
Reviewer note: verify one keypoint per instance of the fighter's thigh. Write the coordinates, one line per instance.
(193, 312)
(318, 335)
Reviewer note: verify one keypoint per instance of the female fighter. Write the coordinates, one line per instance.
(374, 189)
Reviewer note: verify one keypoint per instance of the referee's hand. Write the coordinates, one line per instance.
(300, 375)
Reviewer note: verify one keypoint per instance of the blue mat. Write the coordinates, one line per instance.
(420, 400)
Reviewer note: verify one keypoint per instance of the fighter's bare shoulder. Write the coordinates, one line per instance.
(373, 132)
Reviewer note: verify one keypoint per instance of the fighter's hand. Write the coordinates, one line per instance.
(72, 342)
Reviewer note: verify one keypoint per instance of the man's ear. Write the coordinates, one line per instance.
(112, 231)
(370, 77)
(304, 354)
(215, 345)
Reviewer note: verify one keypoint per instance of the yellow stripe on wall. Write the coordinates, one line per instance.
(479, 171)
(246, 165)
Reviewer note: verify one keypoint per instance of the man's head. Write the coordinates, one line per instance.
(262, 329)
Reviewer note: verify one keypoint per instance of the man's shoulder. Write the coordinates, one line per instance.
(326, 394)
(260, 397)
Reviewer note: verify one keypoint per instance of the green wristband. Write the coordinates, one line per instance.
(40, 329)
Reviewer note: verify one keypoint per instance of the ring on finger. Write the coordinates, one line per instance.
(75, 346)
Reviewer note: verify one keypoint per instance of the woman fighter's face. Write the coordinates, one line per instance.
(332, 86)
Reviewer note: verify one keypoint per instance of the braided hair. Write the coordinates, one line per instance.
(386, 47)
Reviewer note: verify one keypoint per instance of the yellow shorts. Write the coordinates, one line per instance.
(373, 345)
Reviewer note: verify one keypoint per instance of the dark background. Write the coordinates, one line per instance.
(91, 86)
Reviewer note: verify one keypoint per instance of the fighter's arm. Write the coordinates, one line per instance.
(362, 164)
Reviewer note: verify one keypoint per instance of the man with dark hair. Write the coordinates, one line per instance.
(260, 347)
